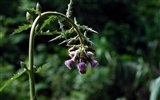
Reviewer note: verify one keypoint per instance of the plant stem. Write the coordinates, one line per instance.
(31, 68)
(31, 47)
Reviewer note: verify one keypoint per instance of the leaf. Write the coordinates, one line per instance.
(88, 40)
(47, 22)
(57, 37)
(62, 27)
(41, 68)
(155, 92)
(22, 28)
(69, 10)
(49, 33)
(75, 21)
(15, 76)
(61, 24)
(88, 29)
(64, 41)
(32, 10)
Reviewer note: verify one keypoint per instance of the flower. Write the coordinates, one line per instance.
(94, 63)
(81, 55)
(90, 54)
(69, 63)
(76, 53)
(81, 67)
(71, 54)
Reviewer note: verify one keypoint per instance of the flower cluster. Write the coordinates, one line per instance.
(81, 55)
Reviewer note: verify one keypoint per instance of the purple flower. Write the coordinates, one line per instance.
(69, 63)
(81, 67)
(94, 63)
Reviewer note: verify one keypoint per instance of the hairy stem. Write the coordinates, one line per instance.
(31, 46)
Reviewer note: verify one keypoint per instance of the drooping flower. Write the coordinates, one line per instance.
(81, 67)
(69, 63)
(94, 63)
(81, 55)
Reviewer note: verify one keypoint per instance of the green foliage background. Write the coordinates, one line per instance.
(128, 51)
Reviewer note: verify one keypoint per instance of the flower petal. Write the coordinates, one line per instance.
(81, 67)
(90, 54)
(71, 54)
(94, 63)
(69, 63)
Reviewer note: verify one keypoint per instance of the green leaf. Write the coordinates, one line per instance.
(15, 76)
(41, 68)
(32, 10)
(47, 22)
(22, 28)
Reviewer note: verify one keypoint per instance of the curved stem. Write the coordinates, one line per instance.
(31, 47)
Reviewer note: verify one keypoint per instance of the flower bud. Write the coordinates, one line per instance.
(28, 16)
(90, 54)
(23, 65)
(38, 7)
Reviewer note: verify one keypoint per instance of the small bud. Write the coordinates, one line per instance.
(38, 7)
(28, 16)
(23, 65)
(90, 54)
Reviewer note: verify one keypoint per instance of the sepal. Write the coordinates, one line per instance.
(23, 65)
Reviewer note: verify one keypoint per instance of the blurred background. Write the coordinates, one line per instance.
(128, 51)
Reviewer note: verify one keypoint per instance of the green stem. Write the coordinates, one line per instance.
(31, 47)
